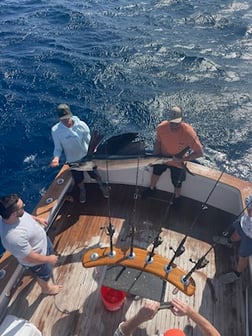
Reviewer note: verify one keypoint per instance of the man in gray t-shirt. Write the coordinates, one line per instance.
(24, 236)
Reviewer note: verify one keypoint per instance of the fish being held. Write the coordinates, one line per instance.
(120, 152)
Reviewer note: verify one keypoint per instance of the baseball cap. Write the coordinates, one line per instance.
(174, 332)
(248, 201)
(175, 115)
(64, 111)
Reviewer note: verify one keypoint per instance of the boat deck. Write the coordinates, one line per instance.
(78, 308)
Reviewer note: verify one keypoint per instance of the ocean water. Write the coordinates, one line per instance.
(119, 64)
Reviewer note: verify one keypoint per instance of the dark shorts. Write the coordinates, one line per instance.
(44, 271)
(245, 249)
(177, 175)
(78, 176)
(2, 249)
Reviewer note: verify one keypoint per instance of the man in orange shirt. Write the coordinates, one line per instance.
(172, 137)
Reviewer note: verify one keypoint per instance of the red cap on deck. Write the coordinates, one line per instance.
(174, 332)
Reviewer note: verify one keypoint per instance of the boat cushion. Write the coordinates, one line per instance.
(15, 326)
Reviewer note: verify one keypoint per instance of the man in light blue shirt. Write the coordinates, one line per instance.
(71, 136)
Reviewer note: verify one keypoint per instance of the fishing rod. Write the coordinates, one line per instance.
(131, 254)
(110, 233)
(200, 263)
(181, 249)
(110, 227)
(157, 241)
(177, 253)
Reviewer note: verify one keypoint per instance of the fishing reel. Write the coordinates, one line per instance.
(180, 250)
(110, 230)
(157, 241)
(201, 263)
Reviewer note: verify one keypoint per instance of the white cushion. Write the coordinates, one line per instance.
(15, 326)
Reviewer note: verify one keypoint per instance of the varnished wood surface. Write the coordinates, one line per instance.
(141, 260)
(78, 308)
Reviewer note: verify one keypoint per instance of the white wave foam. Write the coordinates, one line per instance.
(30, 158)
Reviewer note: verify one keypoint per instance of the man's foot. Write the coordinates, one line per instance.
(222, 241)
(148, 193)
(104, 189)
(82, 196)
(176, 203)
(229, 277)
(2, 273)
(53, 290)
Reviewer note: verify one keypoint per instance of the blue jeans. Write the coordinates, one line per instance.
(44, 271)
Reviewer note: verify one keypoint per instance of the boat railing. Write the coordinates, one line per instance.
(47, 208)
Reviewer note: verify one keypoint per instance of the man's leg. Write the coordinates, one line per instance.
(48, 288)
(242, 264)
(231, 236)
(78, 177)
(157, 172)
(154, 181)
(177, 176)
(103, 187)
(245, 251)
(177, 192)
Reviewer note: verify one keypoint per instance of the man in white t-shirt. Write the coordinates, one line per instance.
(24, 236)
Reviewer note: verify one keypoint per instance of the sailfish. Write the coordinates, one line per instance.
(121, 151)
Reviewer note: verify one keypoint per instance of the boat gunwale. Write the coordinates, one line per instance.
(49, 211)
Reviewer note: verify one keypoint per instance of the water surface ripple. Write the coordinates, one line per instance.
(119, 64)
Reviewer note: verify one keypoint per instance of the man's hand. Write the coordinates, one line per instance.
(179, 308)
(148, 311)
(54, 162)
(53, 259)
(41, 221)
(38, 259)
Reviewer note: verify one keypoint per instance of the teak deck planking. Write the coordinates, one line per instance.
(78, 308)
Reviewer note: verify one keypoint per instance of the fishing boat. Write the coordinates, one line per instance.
(143, 248)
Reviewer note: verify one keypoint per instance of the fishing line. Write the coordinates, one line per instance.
(181, 249)
(204, 205)
(202, 262)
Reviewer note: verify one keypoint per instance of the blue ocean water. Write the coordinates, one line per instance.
(118, 64)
